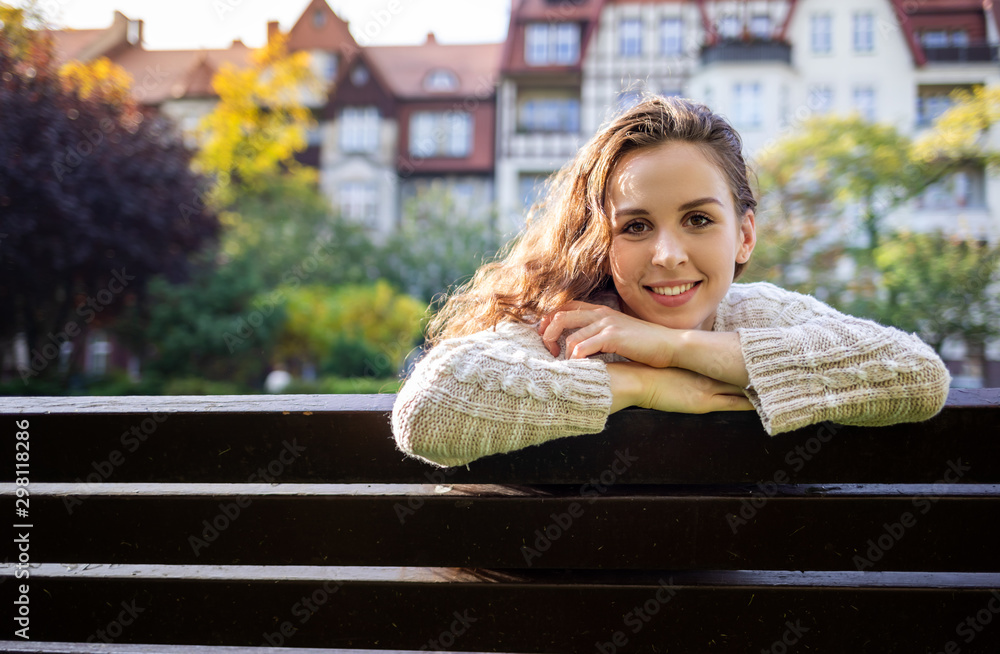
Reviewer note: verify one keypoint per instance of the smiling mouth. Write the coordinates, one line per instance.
(672, 290)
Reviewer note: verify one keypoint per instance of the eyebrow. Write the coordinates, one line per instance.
(697, 203)
(638, 211)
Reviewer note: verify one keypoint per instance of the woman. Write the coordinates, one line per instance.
(620, 293)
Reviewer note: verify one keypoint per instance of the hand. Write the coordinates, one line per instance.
(602, 329)
(672, 389)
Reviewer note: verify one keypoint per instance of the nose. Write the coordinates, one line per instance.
(668, 250)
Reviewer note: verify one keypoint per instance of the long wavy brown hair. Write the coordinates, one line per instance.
(562, 253)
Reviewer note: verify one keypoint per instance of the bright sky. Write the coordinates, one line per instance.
(189, 24)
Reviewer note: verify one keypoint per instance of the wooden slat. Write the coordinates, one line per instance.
(349, 441)
(687, 612)
(620, 530)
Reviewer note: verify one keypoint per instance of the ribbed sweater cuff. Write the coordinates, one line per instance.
(777, 391)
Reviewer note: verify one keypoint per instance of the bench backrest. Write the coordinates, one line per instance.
(293, 520)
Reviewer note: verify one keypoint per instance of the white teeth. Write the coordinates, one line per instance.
(671, 290)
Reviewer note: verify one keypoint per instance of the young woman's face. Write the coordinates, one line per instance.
(675, 235)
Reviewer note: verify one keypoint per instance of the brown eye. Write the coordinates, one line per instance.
(700, 220)
(637, 227)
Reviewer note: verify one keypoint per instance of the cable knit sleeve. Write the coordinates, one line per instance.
(809, 363)
(497, 391)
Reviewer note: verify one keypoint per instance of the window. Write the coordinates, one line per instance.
(864, 102)
(96, 354)
(627, 100)
(960, 39)
(531, 187)
(729, 27)
(440, 134)
(631, 37)
(439, 80)
(962, 189)
(547, 44)
(319, 19)
(330, 65)
(821, 31)
(864, 32)
(820, 99)
(934, 39)
(357, 201)
(671, 37)
(359, 129)
(360, 75)
(929, 107)
(550, 114)
(747, 104)
(760, 27)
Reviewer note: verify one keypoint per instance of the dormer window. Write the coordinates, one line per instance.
(360, 75)
(440, 80)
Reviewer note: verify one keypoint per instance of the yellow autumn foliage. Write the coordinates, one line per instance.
(260, 121)
(316, 316)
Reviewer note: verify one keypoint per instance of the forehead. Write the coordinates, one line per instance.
(676, 171)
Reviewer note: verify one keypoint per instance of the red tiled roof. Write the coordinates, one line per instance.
(404, 67)
(68, 43)
(332, 34)
(169, 74)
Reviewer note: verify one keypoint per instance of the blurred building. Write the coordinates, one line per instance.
(490, 122)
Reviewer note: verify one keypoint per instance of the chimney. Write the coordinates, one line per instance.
(273, 28)
(430, 39)
(133, 32)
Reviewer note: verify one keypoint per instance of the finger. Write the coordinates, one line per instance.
(563, 320)
(731, 403)
(586, 341)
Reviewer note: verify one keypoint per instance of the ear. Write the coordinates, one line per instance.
(747, 237)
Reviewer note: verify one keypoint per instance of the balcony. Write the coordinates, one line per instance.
(958, 54)
(746, 51)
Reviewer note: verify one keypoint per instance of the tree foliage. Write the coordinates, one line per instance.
(219, 325)
(963, 132)
(438, 246)
(373, 318)
(260, 121)
(941, 286)
(90, 189)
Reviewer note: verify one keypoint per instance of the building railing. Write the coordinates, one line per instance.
(746, 51)
(974, 52)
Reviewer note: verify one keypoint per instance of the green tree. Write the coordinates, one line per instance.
(221, 325)
(89, 193)
(367, 329)
(437, 246)
(941, 286)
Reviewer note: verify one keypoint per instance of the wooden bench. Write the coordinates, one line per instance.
(171, 524)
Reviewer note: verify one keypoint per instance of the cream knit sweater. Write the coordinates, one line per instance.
(501, 390)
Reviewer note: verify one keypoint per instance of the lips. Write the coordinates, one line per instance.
(673, 296)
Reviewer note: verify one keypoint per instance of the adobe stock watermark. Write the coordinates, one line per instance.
(973, 625)
(130, 439)
(92, 139)
(639, 617)
(563, 522)
(796, 458)
(88, 310)
(229, 512)
(893, 532)
(793, 633)
(114, 629)
(303, 610)
(246, 326)
(447, 638)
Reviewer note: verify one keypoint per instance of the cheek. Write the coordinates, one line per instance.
(621, 261)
